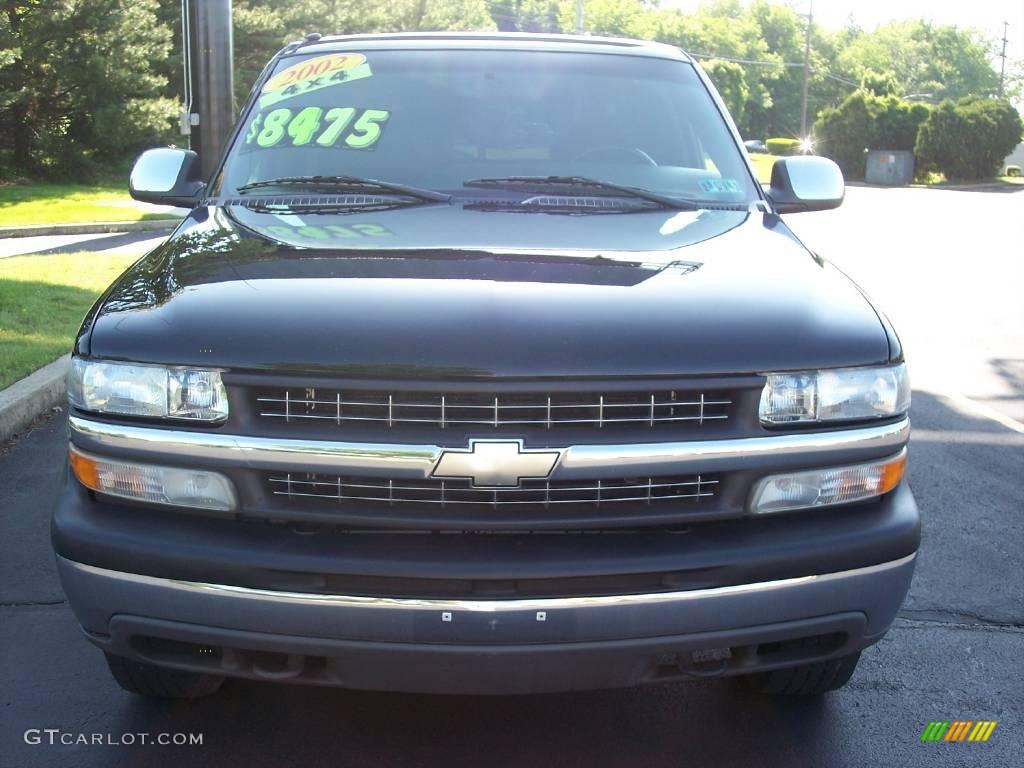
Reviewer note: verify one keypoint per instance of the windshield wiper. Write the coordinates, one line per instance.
(578, 183)
(304, 205)
(348, 184)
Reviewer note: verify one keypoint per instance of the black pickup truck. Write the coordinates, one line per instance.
(483, 364)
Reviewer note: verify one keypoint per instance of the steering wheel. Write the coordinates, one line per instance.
(617, 154)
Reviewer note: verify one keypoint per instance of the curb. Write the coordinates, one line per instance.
(987, 186)
(981, 187)
(27, 399)
(45, 230)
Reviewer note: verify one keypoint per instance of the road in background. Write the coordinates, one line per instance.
(945, 266)
(103, 242)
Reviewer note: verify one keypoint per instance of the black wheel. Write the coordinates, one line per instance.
(160, 682)
(812, 679)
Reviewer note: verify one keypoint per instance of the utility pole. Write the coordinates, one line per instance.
(209, 70)
(807, 71)
(579, 17)
(1002, 67)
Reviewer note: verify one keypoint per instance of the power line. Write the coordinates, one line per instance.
(766, 63)
(844, 80)
(753, 62)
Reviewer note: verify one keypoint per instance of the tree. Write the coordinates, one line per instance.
(945, 61)
(731, 82)
(866, 121)
(722, 41)
(83, 81)
(880, 83)
(764, 39)
(614, 18)
(262, 27)
(897, 123)
(968, 139)
(782, 30)
(79, 87)
(525, 15)
(435, 15)
(843, 133)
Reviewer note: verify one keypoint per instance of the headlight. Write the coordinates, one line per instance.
(148, 482)
(147, 390)
(840, 394)
(824, 487)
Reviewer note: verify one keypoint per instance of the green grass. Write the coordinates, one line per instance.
(26, 204)
(938, 180)
(933, 178)
(42, 302)
(763, 166)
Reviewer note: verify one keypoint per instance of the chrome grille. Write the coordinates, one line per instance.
(537, 493)
(442, 410)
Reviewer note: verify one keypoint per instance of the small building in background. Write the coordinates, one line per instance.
(893, 167)
(1014, 160)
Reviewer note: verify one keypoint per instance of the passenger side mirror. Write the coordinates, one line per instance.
(806, 183)
(167, 177)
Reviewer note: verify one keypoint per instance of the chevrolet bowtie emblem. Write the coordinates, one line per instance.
(496, 464)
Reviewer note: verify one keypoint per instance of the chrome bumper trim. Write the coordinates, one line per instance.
(480, 606)
(579, 459)
(418, 461)
(390, 458)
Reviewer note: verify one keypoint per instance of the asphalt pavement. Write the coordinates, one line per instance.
(946, 266)
(102, 242)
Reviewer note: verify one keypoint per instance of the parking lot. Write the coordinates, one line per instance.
(948, 268)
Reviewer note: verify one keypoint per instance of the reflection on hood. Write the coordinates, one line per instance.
(223, 244)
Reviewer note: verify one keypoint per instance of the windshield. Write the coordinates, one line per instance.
(437, 119)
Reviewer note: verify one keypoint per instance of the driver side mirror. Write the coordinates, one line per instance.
(167, 177)
(806, 183)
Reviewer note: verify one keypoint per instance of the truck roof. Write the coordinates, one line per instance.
(486, 40)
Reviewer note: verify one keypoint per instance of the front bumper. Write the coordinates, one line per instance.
(485, 646)
(508, 612)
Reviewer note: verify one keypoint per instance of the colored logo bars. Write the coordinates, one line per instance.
(958, 730)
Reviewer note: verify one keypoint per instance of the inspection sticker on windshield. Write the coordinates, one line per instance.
(314, 74)
(719, 186)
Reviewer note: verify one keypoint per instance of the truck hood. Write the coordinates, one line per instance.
(446, 291)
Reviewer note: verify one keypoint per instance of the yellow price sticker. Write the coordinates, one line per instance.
(314, 74)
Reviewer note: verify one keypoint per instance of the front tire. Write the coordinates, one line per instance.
(812, 679)
(159, 682)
